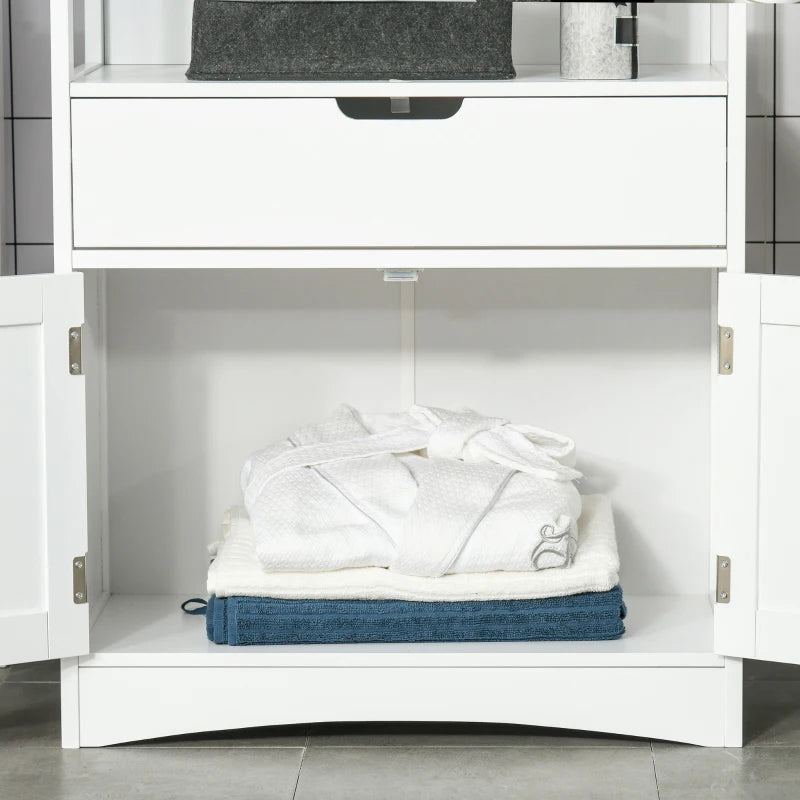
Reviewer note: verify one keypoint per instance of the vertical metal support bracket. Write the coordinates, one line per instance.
(723, 579)
(75, 358)
(79, 594)
(725, 351)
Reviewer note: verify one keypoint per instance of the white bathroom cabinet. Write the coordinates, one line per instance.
(218, 249)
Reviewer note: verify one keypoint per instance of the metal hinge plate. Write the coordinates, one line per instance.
(725, 351)
(75, 359)
(79, 595)
(723, 579)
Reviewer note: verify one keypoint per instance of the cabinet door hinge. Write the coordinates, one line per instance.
(723, 579)
(75, 359)
(725, 351)
(79, 594)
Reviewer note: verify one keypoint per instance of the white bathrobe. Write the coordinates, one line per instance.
(428, 492)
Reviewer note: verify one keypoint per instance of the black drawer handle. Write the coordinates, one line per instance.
(399, 107)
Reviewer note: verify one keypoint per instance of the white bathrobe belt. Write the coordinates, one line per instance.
(404, 440)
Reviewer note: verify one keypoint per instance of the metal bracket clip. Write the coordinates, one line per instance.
(725, 351)
(401, 275)
(79, 596)
(75, 359)
(723, 579)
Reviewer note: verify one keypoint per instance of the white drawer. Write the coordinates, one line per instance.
(500, 172)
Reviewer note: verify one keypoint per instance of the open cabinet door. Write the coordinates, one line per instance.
(756, 469)
(43, 515)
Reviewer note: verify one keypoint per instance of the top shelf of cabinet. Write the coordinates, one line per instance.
(532, 81)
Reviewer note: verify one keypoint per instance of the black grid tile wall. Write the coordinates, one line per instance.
(28, 227)
(773, 139)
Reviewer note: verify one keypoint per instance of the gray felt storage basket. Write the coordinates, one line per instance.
(255, 40)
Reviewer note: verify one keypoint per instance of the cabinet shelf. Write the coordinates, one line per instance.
(169, 80)
(152, 631)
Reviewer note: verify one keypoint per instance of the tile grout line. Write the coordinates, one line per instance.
(774, 136)
(300, 767)
(198, 747)
(13, 140)
(608, 745)
(655, 771)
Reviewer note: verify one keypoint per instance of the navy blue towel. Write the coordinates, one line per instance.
(262, 620)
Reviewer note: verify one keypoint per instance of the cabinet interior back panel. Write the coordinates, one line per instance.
(618, 360)
(159, 32)
(206, 367)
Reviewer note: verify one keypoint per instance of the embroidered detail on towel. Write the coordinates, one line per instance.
(553, 536)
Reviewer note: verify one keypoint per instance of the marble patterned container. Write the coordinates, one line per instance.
(599, 41)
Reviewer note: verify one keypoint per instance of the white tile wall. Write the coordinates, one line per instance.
(787, 54)
(787, 259)
(759, 178)
(6, 71)
(8, 172)
(760, 257)
(30, 37)
(33, 258)
(773, 220)
(760, 61)
(787, 179)
(33, 161)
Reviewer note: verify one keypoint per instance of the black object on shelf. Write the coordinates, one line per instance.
(255, 40)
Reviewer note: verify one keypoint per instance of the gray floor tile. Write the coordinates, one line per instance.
(35, 672)
(30, 715)
(696, 773)
(770, 671)
(400, 734)
(4, 673)
(772, 714)
(290, 736)
(460, 773)
(135, 774)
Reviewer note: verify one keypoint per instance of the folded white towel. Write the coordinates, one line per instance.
(236, 571)
(429, 492)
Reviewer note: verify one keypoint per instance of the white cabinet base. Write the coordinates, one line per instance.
(121, 704)
(153, 674)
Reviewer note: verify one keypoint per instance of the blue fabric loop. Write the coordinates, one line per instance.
(195, 612)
